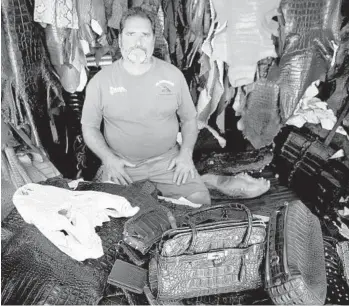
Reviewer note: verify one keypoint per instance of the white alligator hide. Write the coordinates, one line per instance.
(68, 218)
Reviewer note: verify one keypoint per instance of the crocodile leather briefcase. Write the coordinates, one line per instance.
(211, 258)
(295, 262)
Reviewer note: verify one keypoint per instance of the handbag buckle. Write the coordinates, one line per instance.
(217, 257)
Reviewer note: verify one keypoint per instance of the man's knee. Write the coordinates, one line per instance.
(200, 197)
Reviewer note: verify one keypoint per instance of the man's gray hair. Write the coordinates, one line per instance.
(138, 12)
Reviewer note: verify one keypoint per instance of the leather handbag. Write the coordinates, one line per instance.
(304, 160)
(295, 262)
(209, 258)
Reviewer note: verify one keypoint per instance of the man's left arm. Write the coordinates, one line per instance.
(183, 163)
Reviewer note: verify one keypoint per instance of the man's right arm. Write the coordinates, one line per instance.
(92, 114)
(95, 140)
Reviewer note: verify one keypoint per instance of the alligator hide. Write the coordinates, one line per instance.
(337, 287)
(66, 56)
(27, 56)
(339, 74)
(35, 272)
(306, 28)
(118, 8)
(297, 71)
(229, 164)
(91, 12)
(260, 120)
(240, 186)
(56, 12)
(55, 210)
(246, 38)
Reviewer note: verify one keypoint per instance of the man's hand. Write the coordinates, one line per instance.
(184, 166)
(115, 167)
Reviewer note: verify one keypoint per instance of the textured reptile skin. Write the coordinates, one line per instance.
(260, 119)
(197, 275)
(212, 258)
(337, 287)
(223, 235)
(339, 73)
(36, 272)
(306, 29)
(303, 159)
(144, 230)
(295, 263)
(228, 164)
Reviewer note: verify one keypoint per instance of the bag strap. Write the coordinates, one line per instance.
(341, 117)
(190, 217)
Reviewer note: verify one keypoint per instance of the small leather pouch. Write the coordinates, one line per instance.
(128, 276)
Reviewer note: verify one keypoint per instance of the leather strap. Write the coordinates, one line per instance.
(193, 217)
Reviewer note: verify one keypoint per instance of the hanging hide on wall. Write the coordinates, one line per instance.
(29, 67)
(306, 28)
(339, 73)
(246, 38)
(260, 119)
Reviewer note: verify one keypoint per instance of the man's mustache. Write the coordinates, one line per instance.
(135, 48)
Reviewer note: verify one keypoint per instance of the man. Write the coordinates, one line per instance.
(139, 98)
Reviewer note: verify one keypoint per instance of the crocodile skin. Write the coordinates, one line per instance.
(260, 119)
(34, 271)
(306, 29)
(144, 230)
(337, 287)
(228, 164)
(303, 159)
(339, 73)
(32, 267)
(210, 258)
(32, 71)
(225, 236)
(200, 274)
(295, 263)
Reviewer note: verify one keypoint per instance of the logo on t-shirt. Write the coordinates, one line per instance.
(165, 87)
(114, 90)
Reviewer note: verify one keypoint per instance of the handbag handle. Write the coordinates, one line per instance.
(339, 120)
(192, 221)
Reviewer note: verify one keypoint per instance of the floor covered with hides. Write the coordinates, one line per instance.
(31, 265)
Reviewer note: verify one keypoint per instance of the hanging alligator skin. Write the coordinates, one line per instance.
(29, 63)
(228, 164)
(117, 9)
(306, 28)
(260, 120)
(246, 38)
(339, 73)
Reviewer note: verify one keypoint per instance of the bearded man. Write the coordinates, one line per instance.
(142, 101)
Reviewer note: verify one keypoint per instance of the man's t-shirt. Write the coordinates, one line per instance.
(139, 111)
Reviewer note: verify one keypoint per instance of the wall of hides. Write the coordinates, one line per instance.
(253, 67)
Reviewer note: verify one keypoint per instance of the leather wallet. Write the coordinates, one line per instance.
(128, 276)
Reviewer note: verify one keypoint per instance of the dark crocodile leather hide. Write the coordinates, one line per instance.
(295, 263)
(306, 29)
(34, 271)
(261, 121)
(337, 287)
